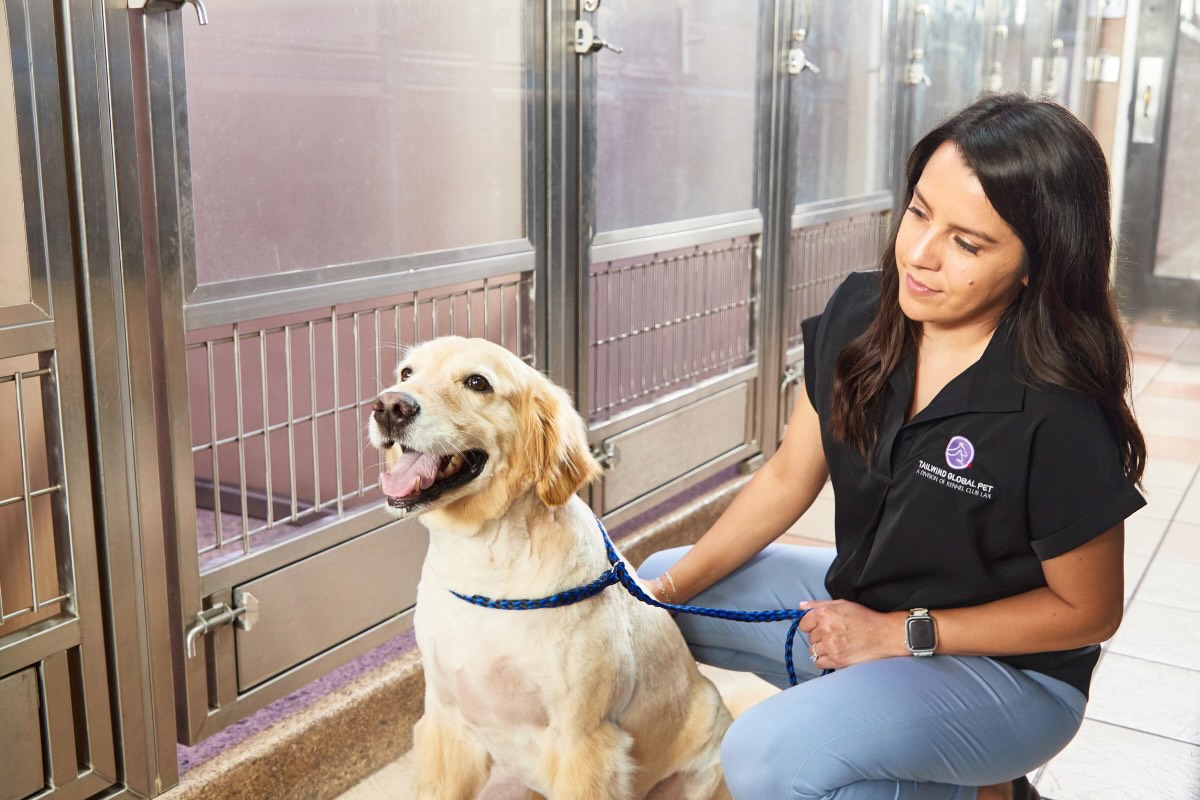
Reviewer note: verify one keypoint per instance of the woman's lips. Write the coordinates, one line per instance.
(917, 288)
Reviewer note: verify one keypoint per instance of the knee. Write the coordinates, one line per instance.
(763, 755)
(660, 562)
(751, 769)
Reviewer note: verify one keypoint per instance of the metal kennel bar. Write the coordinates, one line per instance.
(664, 322)
(34, 539)
(261, 471)
(827, 242)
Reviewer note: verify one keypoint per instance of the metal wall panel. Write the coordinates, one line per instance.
(317, 603)
(656, 452)
(21, 769)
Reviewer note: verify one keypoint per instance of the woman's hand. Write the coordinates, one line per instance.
(841, 633)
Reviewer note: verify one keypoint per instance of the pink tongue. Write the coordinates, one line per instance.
(412, 473)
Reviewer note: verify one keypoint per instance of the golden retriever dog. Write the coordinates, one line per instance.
(598, 699)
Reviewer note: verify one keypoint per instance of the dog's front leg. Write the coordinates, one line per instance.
(451, 765)
(594, 765)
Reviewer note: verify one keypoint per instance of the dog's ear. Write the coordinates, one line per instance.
(561, 461)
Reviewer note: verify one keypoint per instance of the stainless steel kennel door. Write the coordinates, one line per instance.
(57, 737)
(331, 187)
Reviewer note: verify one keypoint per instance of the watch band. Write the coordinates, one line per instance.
(920, 633)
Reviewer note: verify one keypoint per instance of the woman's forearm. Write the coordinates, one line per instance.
(761, 512)
(774, 499)
(1080, 605)
(1036, 621)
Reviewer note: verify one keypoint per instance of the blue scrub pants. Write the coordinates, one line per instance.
(898, 728)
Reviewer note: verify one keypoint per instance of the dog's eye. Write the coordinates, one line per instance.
(405, 373)
(478, 383)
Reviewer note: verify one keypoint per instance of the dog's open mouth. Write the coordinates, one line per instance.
(419, 478)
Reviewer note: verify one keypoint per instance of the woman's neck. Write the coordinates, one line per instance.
(961, 343)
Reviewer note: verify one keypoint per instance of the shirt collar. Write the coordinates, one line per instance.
(991, 384)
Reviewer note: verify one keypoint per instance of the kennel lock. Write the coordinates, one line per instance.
(244, 614)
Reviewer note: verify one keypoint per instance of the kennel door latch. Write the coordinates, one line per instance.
(244, 614)
(587, 42)
(608, 454)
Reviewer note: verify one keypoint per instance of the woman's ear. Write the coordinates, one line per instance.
(561, 459)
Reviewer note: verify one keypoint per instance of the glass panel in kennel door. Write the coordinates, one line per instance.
(841, 128)
(14, 255)
(1031, 47)
(942, 62)
(675, 111)
(324, 135)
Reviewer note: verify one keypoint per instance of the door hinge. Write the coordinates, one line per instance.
(244, 614)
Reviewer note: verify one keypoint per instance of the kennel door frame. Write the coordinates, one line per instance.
(64, 655)
(733, 246)
(209, 696)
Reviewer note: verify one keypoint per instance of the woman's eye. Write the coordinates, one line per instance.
(478, 383)
(405, 374)
(970, 248)
(916, 212)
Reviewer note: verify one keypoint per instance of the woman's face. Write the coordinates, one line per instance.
(960, 263)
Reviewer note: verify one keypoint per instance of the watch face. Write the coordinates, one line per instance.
(921, 635)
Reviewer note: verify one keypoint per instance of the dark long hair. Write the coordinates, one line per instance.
(1044, 173)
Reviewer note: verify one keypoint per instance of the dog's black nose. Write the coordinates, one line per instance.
(394, 410)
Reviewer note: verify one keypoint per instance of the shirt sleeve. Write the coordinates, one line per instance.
(1077, 488)
(846, 315)
(809, 329)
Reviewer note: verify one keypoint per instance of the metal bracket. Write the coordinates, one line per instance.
(245, 615)
(607, 454)
(171, 5)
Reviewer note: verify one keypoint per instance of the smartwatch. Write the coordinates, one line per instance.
(920, 633)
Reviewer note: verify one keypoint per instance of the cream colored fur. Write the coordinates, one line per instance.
(597, 700)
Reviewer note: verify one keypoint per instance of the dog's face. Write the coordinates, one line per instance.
(468, 427)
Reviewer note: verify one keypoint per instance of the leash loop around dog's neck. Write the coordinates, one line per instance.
(618, 573)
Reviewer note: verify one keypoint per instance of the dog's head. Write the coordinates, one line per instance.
(468, 427)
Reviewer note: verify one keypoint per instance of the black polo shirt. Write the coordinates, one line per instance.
(962, 503)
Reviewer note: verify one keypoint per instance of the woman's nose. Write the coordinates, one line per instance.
(922, 251)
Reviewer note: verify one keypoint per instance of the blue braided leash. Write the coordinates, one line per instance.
(617, 573)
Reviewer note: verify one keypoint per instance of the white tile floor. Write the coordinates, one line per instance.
(1141, 737)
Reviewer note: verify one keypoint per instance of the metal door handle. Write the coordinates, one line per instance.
(171, 5)
(995, 80)
(607, 454)
(801, 33)
(920, 23)
(1146, 102)
(244, 615)
(915, 73)
(999, 42)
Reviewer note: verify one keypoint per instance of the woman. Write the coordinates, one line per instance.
(968, 402)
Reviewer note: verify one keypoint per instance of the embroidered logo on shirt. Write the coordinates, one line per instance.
(960, 452)
(952, 480)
